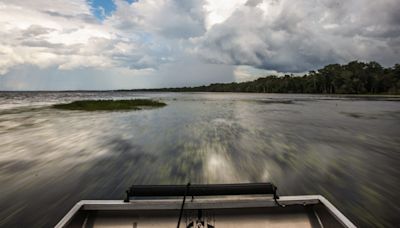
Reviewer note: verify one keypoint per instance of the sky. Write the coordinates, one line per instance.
(130, 44)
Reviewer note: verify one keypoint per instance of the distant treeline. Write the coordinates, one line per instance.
(352, 78)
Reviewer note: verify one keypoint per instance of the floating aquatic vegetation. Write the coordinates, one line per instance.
(278, 101)
(109, 105)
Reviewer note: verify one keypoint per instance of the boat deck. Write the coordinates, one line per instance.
(230, 212)
(214, 218)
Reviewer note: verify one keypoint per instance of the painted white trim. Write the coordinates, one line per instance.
(335, 212)
(197, 203)
(68, 217)
(205, 203)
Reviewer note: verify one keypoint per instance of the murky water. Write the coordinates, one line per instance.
(345, 148)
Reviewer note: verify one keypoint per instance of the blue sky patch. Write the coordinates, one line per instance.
(104, 8)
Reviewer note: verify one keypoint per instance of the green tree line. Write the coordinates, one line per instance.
(352, 78)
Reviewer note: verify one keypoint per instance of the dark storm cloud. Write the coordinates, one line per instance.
(298, 36)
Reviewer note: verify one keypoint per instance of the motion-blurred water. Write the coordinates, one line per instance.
(345, 148)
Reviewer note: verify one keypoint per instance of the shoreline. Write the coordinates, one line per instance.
(169, 91)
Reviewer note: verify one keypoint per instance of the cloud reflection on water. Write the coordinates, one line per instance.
(308, 146)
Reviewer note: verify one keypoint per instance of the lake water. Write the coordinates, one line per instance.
(344, 148)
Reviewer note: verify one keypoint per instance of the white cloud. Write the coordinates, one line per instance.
(48, 33)
(245, 73)
(218, 11)
(164, 35)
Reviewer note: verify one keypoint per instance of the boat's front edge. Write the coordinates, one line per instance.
(217, 203)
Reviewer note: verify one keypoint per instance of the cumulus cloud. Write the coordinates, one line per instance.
(237, 36)
(297, 36)
(245, 73)
(165, 18)
(32, 35)
(65, 34)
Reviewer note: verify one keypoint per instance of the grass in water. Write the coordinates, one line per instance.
(109, 105)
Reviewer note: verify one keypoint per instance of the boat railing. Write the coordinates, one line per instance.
(201, 190)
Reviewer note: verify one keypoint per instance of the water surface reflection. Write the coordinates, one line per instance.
(345, 148)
